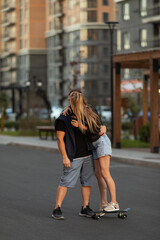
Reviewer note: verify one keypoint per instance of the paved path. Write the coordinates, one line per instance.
(132, 156)
(28, 184)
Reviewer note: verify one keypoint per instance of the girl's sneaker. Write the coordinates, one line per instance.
(112, 207)
(102, 208)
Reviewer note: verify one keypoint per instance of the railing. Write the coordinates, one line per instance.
(8, 6)
(152, 12)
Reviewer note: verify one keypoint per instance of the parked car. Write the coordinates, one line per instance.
(56, 111)
(104, 112)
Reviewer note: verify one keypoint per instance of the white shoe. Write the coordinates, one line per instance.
(102, 208)
(112, 207)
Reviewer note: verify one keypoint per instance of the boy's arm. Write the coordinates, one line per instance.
(62, 148)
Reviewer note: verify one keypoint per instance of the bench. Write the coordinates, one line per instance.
(46, 129)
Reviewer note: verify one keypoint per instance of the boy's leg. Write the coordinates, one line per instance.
(87, 176)
(61, 193)
(86, 191)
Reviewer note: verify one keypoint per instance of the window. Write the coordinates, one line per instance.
(88, 34)
(92, 16)
(105, 2)
(126, 40)
(126, 11)
(71, 4)
(118, 40)
(92, 34)
(83, 35)
(21, 30)
(105, 68)
(105, 34)
(143, 8)
(126, 73)
(92, 3)
(143, 37)
(105, 87)
(71, 20)
(92, 51)
(91, 86)
(88, 3)
(105, 52)
(105, 17)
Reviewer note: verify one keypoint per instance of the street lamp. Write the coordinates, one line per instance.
(111, 25)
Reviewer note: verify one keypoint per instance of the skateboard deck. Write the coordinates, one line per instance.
(121, 214)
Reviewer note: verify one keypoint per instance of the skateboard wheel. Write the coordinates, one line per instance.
(121, 215)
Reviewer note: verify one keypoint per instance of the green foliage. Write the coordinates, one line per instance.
(127, 143)
(132, 108)
(127, 126)
(4, 101)
(144, 133)
(9, 125)
(32, 123)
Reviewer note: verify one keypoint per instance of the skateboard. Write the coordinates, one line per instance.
(121, 214)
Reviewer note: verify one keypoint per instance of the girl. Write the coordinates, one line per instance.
(89, 123)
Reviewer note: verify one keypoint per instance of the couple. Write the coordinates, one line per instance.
(81, 138)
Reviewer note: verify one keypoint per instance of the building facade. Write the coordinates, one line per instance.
(63, 43)
(139, 29)
(23, 45)
(78, 49)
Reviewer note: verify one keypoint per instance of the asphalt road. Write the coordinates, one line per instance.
(28, 183)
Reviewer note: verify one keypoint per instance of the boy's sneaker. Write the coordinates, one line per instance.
(86, 212)
(57, 214)
(112, 207)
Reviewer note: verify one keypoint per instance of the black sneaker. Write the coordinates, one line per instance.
(57, 214)
(86, 212)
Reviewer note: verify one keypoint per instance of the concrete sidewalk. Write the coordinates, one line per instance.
(132, 156)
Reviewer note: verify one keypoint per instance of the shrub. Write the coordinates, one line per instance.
(32, 123)
(10, 124)
(127, 126)
(144, 133)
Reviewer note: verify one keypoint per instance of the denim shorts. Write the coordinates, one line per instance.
(102, 147)
(80, 167)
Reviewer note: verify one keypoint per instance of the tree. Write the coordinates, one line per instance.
(4, 101)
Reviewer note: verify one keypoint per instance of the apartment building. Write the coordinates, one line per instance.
(63, 43)
(78, 48)
(23, 45)
(139, 29)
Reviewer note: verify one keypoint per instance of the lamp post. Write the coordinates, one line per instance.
(111, 25)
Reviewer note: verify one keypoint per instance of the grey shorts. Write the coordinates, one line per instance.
(102, 147)
(80, 167)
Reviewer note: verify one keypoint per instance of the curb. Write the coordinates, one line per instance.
(122, 159)
(48, 149)
(141, 162)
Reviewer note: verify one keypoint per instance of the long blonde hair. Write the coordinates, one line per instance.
(83, 112)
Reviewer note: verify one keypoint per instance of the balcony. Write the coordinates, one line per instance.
(11, 5)
(153, 15)
(5, 36)
(12, 20)
(156, 42)
(12, 35)
(5, 21)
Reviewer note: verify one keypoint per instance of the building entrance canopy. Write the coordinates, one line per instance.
(145, 60)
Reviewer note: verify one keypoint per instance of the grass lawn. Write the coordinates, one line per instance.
(19, 133)
(127, 143)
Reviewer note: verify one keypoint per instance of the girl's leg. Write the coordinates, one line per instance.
(104, 166)
(101, 183)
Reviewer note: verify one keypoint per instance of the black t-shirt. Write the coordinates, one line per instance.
(81, 146)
